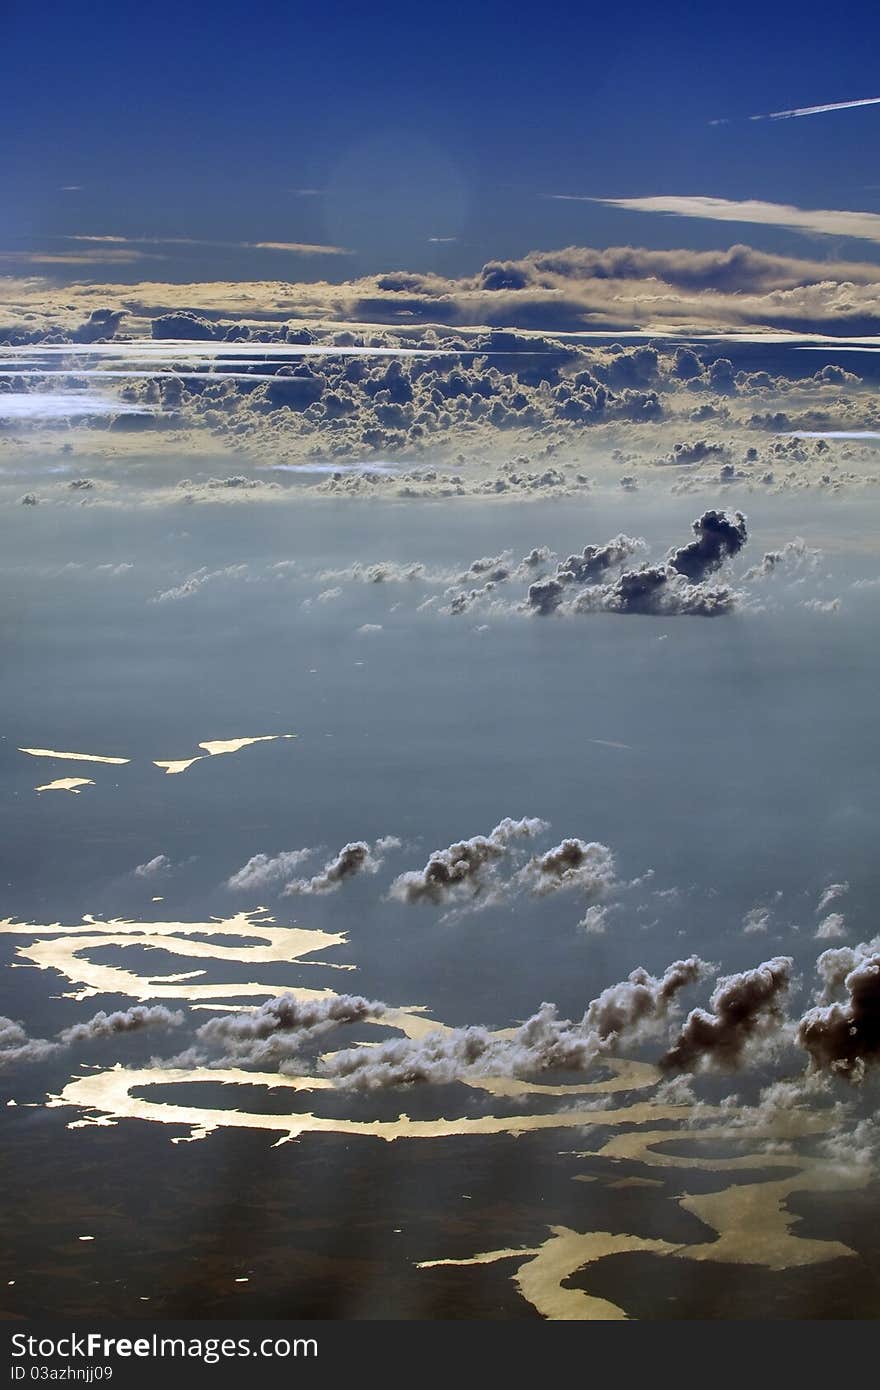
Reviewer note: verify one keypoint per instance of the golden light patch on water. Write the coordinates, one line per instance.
(171, 766)
(72, 757)
(747, 1223)
(750, 1220)
(109, 1093)
(214, 748)
(66, 784)
(65, 948)
(540, 1280)
(233, 745)
(626, 1075)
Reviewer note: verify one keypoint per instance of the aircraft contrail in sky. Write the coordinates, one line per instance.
(805, 111)
(816, 110)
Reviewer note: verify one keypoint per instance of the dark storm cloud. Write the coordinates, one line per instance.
(623, 1012)
(717, 538)
(675, 587)
(266, 871)
(545, 596)
(744, 1009)
(844, 1037)
(594, 561)
(279, 1028)
(657, 591)
(466, 868)
(357, 857)
(577, 864)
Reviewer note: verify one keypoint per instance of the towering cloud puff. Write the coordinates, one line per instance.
(545, 1041)
(262, 871)
(677, 586)
(572, 864)
(594, 561)
(464, 869)
(743, 1009)
(280, 1027)
(718, 538)
(657, 591)
(354, 858)
(845, 1037)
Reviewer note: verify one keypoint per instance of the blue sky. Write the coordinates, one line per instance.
(425, 139)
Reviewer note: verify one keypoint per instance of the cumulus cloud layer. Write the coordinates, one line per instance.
(677, 586)
(16, 1046)
(466, 869)
(620, 1013)
(278, 1029)
(575, 287)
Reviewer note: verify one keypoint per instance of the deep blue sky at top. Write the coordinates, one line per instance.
(446, 122)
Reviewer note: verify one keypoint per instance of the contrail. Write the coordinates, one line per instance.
(816, 110)
(803, 111)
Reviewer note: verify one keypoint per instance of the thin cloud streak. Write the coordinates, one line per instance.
(863, 226)
(112, 256)
(297, 248)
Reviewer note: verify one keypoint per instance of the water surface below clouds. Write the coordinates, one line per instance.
(733, 757)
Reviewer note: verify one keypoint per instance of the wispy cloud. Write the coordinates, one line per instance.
(109, 256)
(298, 248)
(864, 226)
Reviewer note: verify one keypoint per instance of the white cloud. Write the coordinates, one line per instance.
(865, 226)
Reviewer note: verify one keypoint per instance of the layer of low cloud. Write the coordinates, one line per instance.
(16, 1046)
(277, 1031)
(624, 1012)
